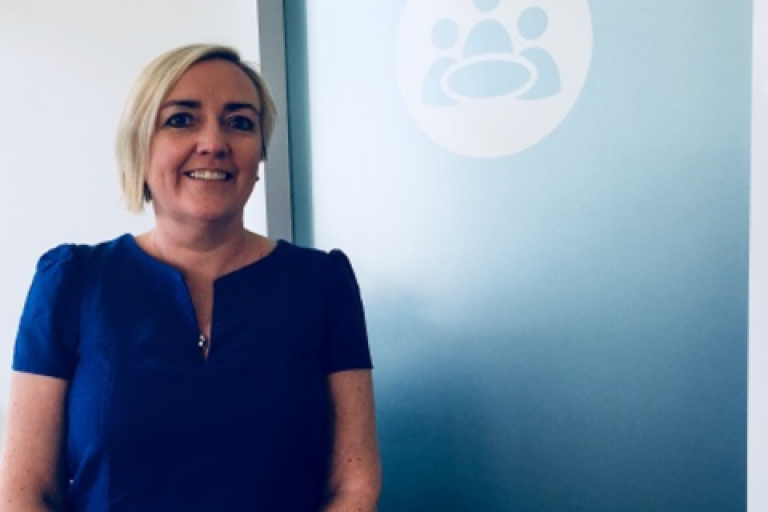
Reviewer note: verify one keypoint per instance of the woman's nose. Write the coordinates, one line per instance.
(212, 141)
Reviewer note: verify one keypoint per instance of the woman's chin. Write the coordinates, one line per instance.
(211, 214)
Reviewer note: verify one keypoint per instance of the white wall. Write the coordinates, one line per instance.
(758, 300)
(65, 71)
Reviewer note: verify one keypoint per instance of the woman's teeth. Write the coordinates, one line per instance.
(208, 175)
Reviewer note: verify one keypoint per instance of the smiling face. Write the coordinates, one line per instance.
(207, 146)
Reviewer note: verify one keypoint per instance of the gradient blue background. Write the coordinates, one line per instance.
(564, 329)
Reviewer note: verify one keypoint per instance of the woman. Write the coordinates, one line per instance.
(198, 366)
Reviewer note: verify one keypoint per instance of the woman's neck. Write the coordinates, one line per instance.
(206, 252)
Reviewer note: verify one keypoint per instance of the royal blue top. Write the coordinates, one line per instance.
(151, 425)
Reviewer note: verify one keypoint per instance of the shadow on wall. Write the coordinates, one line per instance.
(432, 457)
(437, 450)
(548, 413)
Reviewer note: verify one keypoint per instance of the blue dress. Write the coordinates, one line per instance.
(152, 426)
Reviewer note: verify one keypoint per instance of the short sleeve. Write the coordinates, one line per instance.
(346, 337)
(47, 339)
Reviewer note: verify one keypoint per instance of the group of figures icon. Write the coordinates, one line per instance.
(489, 65)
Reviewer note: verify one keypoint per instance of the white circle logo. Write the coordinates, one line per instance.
(489, 78)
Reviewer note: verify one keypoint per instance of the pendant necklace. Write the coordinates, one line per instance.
(203, 343)
(202, 346)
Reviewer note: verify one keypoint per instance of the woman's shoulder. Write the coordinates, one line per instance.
(68, 254)
(311, 256)
(305, 264)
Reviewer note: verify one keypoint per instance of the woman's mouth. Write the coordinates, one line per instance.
(208, 175)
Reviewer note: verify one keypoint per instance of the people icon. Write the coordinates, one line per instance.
(488, 37)
(531, 25)
(444, 36)
(489, 66)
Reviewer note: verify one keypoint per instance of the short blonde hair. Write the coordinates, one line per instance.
(137, 124)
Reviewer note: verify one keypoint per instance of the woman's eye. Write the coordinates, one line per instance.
(241, 123)
(180, 120)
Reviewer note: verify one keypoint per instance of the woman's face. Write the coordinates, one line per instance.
(207, 146)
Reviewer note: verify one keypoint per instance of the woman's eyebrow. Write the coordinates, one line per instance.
(195, 104)
(231, 107)
(181, 103)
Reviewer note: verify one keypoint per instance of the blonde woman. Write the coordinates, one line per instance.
(198, 366)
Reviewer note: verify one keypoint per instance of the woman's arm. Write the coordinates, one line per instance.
(355, 478)
(31, 468)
